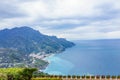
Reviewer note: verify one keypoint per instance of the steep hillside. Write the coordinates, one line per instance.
(18, 43)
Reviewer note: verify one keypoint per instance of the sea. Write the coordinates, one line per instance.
(87, 57)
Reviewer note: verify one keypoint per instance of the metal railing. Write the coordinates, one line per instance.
(59, 77)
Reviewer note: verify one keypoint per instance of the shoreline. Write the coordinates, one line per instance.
(48, 62)
(44, 58)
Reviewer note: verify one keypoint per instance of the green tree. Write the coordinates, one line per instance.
(27, 73)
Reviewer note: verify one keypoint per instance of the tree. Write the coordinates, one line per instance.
(26, 74)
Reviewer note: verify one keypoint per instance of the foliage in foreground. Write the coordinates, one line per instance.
(33, 74)
(16, 73)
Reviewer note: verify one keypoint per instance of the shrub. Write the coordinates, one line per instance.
(17, 73)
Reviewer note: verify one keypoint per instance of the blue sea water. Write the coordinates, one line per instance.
(95, 57)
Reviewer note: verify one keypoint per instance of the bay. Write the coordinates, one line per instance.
(94, 57)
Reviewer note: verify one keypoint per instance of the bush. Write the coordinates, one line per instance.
(17, 73)
(40, 74)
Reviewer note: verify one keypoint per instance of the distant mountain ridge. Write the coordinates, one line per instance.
(28, 40)
(22, 41)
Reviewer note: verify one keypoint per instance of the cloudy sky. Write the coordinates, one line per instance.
(71, 19)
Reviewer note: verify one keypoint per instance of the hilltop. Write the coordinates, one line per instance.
(17, 44)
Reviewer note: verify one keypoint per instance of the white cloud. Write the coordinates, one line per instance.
(83, 19)
(114, 34)
(66, 8)
(61, 8)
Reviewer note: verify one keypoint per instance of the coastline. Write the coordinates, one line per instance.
(43, 57)
(46, 60)
(47, 56)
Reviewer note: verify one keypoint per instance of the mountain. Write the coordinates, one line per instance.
(17, 44)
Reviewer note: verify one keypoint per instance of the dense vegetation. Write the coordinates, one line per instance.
(17, 44)
(27, 40)
(33, 74)
(16, 73)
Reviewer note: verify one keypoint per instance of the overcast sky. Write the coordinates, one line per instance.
(71, 19)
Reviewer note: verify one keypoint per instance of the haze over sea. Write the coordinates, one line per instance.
(97, 57)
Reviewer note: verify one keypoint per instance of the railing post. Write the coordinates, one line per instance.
(116, 77)
(80, 77)
(85, 78)
(95, 77)
(90, 77)
(100, 78)
(105, 77)
(110, 78)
